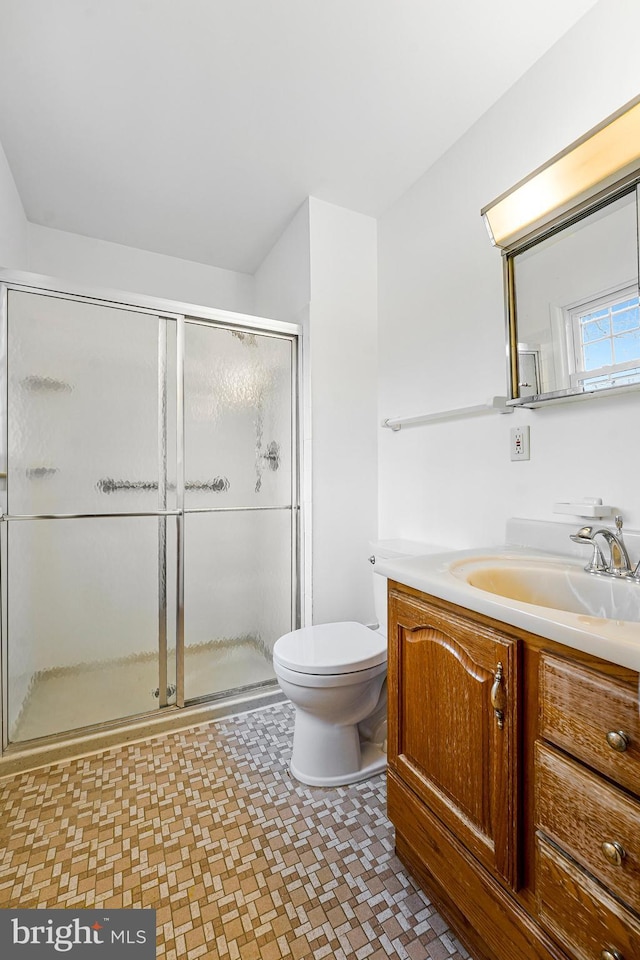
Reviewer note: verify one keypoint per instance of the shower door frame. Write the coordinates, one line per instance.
(182, 313)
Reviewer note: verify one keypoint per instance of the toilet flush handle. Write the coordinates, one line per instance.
(372, 558)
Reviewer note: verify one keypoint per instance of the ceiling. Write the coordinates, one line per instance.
(197, 128)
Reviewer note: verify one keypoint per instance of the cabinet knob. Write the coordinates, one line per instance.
(618, 740)
(614, 852)
(611, 955)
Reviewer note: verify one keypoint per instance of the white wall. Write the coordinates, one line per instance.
(283, 291)
(13, 223)
(343, 343)
(283, 279)
(85, 260)
(322, 274)
(441, 317)
(100, 263)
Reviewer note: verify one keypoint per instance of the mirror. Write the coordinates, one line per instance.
(574, 311)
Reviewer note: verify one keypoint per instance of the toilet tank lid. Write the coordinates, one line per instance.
(404, 548)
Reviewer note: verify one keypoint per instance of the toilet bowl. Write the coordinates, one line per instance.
(335, 675)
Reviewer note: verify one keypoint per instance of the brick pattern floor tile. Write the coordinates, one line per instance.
(240, 861)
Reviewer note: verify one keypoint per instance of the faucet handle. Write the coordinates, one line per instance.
(583, 535)
(619, 522)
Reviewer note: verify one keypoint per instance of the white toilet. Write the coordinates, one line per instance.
(335, 675)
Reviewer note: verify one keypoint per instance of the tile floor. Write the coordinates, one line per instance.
(239, 860)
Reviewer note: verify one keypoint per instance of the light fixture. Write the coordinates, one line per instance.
(606, 155)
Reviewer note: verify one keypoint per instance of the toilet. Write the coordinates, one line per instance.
(335, 674)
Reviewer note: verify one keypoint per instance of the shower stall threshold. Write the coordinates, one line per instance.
(73, 744)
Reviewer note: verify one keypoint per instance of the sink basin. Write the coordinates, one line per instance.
(547, 594)
(553, 584)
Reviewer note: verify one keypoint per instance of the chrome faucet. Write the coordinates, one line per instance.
(597, 563)
(619, 564)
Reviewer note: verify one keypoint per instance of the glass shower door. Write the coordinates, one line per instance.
(148, 489)
(240, 539)
(89, 543)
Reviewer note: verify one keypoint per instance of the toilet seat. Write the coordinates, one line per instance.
(330, 649)
(313, 680)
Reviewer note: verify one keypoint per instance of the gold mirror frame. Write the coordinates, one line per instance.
(590, 173)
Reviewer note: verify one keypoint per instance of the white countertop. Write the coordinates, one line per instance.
(615, 640)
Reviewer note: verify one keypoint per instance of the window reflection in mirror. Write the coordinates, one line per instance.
(577, 311)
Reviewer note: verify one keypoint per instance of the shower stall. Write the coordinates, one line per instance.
(149, 540)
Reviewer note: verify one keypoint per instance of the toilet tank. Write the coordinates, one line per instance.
(386, 549)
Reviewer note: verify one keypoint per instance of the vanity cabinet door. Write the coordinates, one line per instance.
(452, 724)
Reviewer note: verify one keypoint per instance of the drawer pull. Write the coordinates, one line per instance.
(497, 697)
(618, 740)
(614, 852)
(611, 955)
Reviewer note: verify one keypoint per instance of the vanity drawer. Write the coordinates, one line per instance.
(582, 813)
(579, 913)
(593, 717)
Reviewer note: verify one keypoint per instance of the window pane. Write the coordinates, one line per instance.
(613, 379)
(596, 314)
(596, 383)
(627, 346)
(626, 319)
(597, 354)
(626, 376)
(624, 304)
(595, 329)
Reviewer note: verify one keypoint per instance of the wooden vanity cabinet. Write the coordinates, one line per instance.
(512, 761)
(453, 731)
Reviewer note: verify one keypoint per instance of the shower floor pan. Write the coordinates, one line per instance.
(71, 698)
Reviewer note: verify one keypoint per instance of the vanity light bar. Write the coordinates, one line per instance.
(596, 161)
